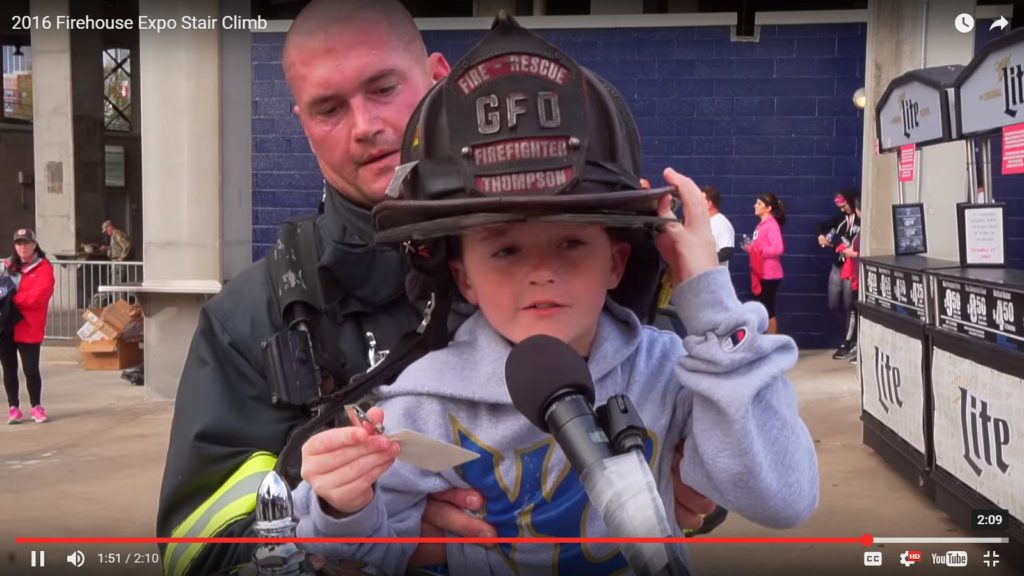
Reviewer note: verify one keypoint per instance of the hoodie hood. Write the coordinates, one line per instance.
(617, 338)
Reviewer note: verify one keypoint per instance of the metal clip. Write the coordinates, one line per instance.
(427, 312)
(357, 417)
(372, 354)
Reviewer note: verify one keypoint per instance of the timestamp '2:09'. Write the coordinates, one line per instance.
(994, 519)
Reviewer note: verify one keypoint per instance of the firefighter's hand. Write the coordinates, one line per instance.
(449, 511)
(341, 464)
(691, 506)
(688, 246)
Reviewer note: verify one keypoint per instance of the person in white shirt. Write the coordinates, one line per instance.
(721, 228)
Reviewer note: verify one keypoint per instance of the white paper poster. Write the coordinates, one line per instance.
(983, 233)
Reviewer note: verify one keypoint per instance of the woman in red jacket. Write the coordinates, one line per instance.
(33, 275)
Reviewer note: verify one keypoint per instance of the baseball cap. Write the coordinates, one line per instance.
(517, 131)
(25, 234)
(840, 200)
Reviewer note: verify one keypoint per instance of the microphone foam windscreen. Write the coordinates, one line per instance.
(540, 368)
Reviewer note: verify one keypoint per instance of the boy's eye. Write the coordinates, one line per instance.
(387, 90)
(505, 252)
(573, 243)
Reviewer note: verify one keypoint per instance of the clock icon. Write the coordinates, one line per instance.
(964, 23)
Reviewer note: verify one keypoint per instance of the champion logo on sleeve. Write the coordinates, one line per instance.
(734, 340)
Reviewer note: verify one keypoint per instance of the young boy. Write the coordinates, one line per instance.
(536, 216)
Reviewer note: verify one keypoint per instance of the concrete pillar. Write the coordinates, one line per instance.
(904, 36)
(181, 183)
(181, 144)
(53, 137)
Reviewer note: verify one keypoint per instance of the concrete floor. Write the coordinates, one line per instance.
(95, 469)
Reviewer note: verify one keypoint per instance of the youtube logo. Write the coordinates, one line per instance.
(954, 559)
(909, 558)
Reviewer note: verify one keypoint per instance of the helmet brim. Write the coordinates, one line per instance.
(398, 221)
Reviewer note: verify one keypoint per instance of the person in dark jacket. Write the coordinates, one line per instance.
(836, 234)
(32, 274)
(226, 433)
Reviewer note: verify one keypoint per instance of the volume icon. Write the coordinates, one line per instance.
(76, 559)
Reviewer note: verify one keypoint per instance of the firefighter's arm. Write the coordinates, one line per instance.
(224, 438)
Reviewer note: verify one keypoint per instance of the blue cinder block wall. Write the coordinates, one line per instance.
(773, 116)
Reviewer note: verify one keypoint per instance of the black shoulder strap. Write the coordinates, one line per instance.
(432, 334)
(292, 265)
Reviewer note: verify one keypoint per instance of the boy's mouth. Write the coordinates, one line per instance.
(543, 305)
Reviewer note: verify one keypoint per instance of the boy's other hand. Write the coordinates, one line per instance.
(341, 464)
(688, 246)
(448, 512)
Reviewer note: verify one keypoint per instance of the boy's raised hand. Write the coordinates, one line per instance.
(688, 246)
(341, 464)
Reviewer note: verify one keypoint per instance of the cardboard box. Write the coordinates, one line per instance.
(92, 317)
(89, 333)
(118, 315)
(110, 337)
(110, 355)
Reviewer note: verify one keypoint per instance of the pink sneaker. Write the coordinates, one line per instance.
(14, 415)
(39, 415)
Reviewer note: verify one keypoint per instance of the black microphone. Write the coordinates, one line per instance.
(551, 385)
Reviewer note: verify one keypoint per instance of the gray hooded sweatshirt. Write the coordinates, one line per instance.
(722, 390)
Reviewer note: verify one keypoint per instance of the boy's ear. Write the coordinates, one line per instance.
(620, 256)
(458, 270)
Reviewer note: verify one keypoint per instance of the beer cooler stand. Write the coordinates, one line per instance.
(896, 395)
(894, 303)
(977, 337)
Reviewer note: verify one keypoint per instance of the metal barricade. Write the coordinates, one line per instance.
(77, 289)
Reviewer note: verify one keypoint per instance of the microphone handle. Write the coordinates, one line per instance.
(622, 489)
(571, 420)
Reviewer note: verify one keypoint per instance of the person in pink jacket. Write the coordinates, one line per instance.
(765, 249)
(33, 275)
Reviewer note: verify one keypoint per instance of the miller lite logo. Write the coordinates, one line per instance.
(984, 436)
(1012, 77)
(888, 380)
(911, 112)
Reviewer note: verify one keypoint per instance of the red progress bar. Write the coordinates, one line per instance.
(865, 540)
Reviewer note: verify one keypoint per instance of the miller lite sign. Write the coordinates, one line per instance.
(915, 108)
(892, 382)
(990, 91)
(977, 430)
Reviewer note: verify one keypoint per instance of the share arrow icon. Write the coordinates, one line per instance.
(1002, 23)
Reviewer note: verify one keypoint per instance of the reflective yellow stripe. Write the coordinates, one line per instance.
(234, 500)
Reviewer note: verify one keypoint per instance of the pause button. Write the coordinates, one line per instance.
(38, 558)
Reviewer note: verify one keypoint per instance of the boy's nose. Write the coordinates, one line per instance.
(542, 269)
